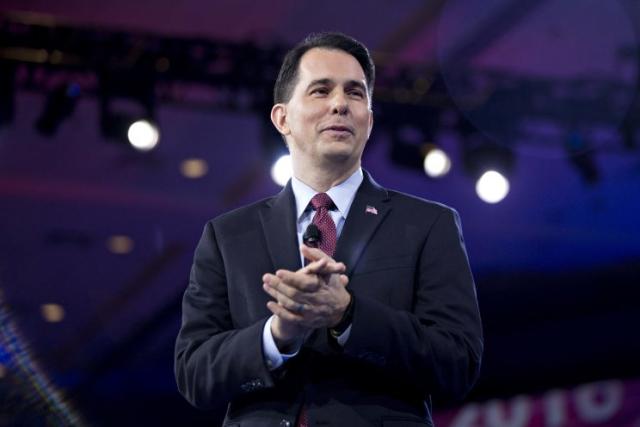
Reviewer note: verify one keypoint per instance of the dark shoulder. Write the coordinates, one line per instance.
(240, 218)
(408, 205)
(423, 214)
(419, 205)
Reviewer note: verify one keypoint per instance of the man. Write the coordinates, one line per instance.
(384, 312)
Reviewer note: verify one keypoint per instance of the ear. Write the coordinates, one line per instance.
(279, 118)
(370, 123)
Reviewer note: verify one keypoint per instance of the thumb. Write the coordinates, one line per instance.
(312, 254)
(344, 280)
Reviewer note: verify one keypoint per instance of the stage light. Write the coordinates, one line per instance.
(143, 135)
(436, 162)
(52, 313)
(282, 170)
(120, 244)
(60, 104)
(490, 164)
(194, 168)
(492, 187)
(127, 108)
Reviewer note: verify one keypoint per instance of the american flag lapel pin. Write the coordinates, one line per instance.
(371, 210)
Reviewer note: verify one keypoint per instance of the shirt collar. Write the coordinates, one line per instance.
(341, 194)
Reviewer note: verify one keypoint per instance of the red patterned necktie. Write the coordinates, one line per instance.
(322, 204)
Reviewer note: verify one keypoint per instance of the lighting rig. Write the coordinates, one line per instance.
(37, 54)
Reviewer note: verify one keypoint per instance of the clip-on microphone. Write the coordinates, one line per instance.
(311, 236)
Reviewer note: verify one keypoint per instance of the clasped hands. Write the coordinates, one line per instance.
(312, 297)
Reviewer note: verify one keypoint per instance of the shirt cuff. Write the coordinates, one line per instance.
(272, 356)
(343, 337)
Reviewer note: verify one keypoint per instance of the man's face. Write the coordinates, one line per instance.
(328, 119)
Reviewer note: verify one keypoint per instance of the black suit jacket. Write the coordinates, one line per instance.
(416, 327)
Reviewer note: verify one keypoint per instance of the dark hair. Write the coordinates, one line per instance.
(288, 75)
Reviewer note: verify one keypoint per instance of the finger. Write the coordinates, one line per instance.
(283, 313)
(285, 301)
(330, 268)
(271, 279)
(266, 278)
(300, 281)
(270, 290)
(321, 263)
(313, 254)
(344, 280)
(278, 296)
(291, 289)
(285, 289)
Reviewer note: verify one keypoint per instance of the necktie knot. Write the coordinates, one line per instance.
(322, 200)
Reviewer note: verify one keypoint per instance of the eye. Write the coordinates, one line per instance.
(356, 93)
(320, 91)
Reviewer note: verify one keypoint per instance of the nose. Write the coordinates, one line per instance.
(339, 103)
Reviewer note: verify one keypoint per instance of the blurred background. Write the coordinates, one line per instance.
(523, 115)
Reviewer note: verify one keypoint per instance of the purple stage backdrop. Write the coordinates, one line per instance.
(611, 403)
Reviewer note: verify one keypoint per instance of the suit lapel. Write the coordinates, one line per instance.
(367, 212)
(279, 226)
(358, 229)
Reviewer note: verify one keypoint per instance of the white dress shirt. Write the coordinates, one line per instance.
(342, 196)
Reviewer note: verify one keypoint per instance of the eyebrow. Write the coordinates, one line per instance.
(329, 82)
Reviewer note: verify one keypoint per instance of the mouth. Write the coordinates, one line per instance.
(338, 128)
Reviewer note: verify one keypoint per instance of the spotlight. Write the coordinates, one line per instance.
(194, 168)
(60, 104)
(489, 164)
(282, 170)
(120, 244)
(436, 162)
(492, 187)
(52, 313)
(127, 108)
(276, 152)
(143, 135)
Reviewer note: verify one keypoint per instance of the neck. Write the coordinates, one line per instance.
(321, 179)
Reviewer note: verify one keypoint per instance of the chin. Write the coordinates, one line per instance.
(338, 156)
(339, 150)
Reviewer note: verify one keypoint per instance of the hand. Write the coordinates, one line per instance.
(311, 297)
(288, 329)
(286, 334)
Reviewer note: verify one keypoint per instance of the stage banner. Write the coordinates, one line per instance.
(613, 403)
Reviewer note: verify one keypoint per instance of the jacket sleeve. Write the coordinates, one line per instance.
(215, 362)
(437, 346)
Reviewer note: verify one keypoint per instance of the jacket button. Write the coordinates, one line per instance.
(285, 423)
